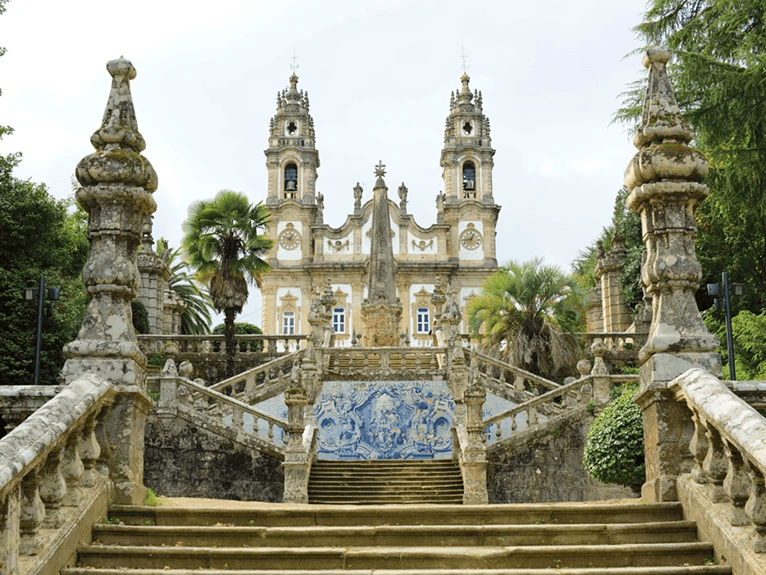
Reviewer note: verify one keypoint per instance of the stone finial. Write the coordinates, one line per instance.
(118, 142)
(465, 96)
(665, 178)
(117, 185)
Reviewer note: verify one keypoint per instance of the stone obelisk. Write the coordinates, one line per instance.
(382, 310)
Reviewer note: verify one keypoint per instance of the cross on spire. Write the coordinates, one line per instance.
(464, 56)
(294, 66)
(380, 169)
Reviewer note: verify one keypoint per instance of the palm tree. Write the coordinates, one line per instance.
(529, 313)
(223, 245)
(197, 316)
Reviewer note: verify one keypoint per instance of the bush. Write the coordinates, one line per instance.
(140, 316)
(615, 449)
(243, 329)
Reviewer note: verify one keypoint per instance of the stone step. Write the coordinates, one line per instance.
(390, 535)
(517, 514)
(385, 482)
(665, 570)
(398, 557)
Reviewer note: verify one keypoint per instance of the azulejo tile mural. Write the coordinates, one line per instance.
(385, 420)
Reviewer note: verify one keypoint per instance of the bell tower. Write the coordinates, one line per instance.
(292, 158)
(467, 154)
(466, 161)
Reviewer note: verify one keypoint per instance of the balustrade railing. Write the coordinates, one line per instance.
(505, 380)
(262, 382)
(52, 463)
(727, 446)
(216, 344)
(618, 341)
(372, 361)
(179, 394)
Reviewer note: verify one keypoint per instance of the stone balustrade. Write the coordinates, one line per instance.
(726, 463)
(365, 363)
(505, 380)
(55, 475)
(179, 396)
(262, 382)
(17, 402)
(194, 346)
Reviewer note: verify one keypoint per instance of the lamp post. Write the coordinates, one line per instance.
(715, 290)
(29, 294)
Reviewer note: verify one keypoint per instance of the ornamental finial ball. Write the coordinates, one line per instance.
(656, 54)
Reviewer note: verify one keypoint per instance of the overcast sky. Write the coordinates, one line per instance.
(379, 76)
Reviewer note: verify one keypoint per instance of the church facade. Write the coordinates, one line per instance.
(458, 250)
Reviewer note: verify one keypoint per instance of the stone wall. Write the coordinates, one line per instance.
(548, 468)
(186, 461)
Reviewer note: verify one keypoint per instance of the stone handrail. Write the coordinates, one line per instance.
(728, 446)
(215, 343)
(367, 362)
(177, 392)
(54, 463)
(495, 373)
(569, 396)
(752, 392)
(617, 340)
(262, 382)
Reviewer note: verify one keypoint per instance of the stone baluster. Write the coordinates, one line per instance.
(104, 449)
(737, 485)
(698, 447)
(715, 465)
(755, 508)
(665, 182)
(89, 450)
(600, 373)
(52, 489)
(72, 469)
(9, 533)
(237, 418)
(32, 514)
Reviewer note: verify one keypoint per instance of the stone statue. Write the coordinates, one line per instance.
(403, 198)
(357, 198)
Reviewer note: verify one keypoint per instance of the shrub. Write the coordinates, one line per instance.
(140, 316)
(615, 449)
(244, 329)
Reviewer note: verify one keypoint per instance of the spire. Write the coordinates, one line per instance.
(465, 96)
(382, 277)
(118, 142)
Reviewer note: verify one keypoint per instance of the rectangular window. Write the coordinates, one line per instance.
(339, 320)
(423, 320)
(288, 323)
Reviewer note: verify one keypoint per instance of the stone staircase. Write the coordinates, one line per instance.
(371, 482)
(533, 539)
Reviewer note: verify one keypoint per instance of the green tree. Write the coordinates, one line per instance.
(243, 328)
(614, 452)
(627, 225)
(529, 313)
(223, 245)
(39, 235)
(718, 73)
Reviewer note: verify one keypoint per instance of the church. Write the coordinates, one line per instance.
(457, 252)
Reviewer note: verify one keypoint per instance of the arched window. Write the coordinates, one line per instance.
(469, 180)
(423, 320)
(339, 320)
(291, 180)
(288, 323)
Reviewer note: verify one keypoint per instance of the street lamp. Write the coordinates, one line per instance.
(715, 290)
(30, 294)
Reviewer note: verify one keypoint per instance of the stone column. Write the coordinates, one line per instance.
(665, 178)
(117, 186)
(473, 461)
(296, 465)
(616, 316)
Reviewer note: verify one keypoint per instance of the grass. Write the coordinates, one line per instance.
(151, 499)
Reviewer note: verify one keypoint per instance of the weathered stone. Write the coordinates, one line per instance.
(664, 178)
